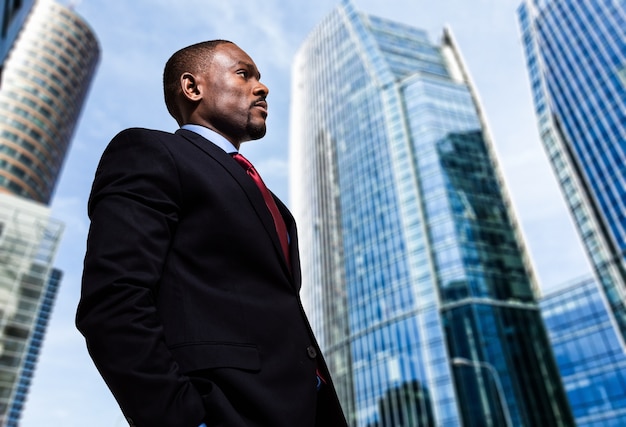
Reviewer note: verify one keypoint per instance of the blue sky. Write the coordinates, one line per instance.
(138, 36)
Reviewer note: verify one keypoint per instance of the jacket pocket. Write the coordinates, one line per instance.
(210, 355)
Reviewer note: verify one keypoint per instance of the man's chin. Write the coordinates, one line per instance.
(256, 132)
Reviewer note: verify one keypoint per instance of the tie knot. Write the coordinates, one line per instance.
(245, 163)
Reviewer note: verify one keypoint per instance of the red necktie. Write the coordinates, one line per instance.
(279, 222)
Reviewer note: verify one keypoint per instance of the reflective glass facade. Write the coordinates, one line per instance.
(415, 278)
(588, 352)
(28, 243)
(576, 59)
(12, 16)
(27, 369)
(45, 82)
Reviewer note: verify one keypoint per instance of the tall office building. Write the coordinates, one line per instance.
(588, 352)
(576, 58)
(29, 361)
(415, 277)
(28, 283)
(12, 16)
(45, 82)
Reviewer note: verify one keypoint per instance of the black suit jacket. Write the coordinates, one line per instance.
(188, 307)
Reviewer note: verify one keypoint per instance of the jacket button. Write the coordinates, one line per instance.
(310, 350)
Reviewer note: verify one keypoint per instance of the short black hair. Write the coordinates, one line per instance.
(190, 59)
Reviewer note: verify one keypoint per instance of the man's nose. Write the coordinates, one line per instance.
(261, 89)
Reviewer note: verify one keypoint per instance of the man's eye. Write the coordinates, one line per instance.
(242, 73)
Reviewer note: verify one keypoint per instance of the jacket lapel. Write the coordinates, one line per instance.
(247, 185)
(294, 252)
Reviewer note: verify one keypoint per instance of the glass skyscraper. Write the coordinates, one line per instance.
(415, 277)
(45, 82)
(588, 352)
(29, 361)
(576, 59)
(28, 244)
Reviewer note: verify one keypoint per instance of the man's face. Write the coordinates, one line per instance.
(233, 98)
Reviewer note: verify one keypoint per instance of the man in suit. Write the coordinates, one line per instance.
(189, 302)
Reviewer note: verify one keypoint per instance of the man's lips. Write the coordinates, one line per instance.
(262, 105)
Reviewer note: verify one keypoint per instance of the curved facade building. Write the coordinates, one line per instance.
(45, 82)
(415, 277)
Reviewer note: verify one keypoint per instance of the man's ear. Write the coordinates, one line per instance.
(190, 87)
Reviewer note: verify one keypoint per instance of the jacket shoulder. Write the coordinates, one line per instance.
(141, 140)
(137, 132)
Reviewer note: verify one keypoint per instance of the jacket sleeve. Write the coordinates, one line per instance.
(134, 209)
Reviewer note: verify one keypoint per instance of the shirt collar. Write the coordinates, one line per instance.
(212, 136)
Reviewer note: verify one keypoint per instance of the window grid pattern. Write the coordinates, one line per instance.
(587, 349)
(487, 299)
(33, 349)
(575, 54)
(28, 244)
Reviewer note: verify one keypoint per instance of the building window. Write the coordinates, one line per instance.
(622, 75)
